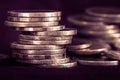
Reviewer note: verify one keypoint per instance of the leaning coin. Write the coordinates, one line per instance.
(95, 48)
(34, 13)
(65, 32)
(113, 54)
(38, 42)
(40, 47)
(97, 62)
(53, 28)
(28, 24)
(45, 61)
(108, 12)
(63, 65)
(36, 57)
(41, 52)
(26, 19)
(78, 43)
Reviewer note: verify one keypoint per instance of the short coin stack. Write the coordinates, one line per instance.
(42, 40)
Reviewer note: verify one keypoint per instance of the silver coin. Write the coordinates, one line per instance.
(37, 19)
(63, 65)
(29, 24)
(95, 48)
(41, 42)
(97, 62)
(53, 28)
(80, 21)
(46, 61)
(78, 43)
(46, 38)
(108, 12)
(65, 32)
(34, 13)
(16, 45)
(41, 52)
(36, 57)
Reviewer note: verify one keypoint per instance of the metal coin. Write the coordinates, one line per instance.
(97, 62)
(42, 19)
(29, 24)
(80, 21)
(46, 38)
(109, 12)
(63, 65)
(113, 54)
(46, 61)
(53, 28)
(33, 42)
(41, 52)
(78, 43)
(40, 47)
(65, 32)
(36, 57)
(95, 48)
(34, 13)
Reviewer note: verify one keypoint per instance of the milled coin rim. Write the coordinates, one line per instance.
(42, 52)
(42, 42)
(36, 57)
(17, 45)
(46, 61)
(28, 24)
(69, 64)
(37, 13)
(26, 19)
(33, 37)
(64, 32)
(51, 28)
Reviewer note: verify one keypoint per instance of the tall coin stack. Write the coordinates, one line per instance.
(42, 39)
(99, 34)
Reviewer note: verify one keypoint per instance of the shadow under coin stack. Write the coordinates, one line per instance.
(96, 29)
(42, 40)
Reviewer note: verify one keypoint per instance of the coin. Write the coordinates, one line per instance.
(40, 47)
(80, 21)
(63, 65)
(37, 19)
(41, 52)
(78, 43)
(108, 12)
(46, 38)
(65, 32)
(29, 24)
(34, 13)
(97, 61)
(36, 57)
(95, 48)
(53, 28)
(46, 61)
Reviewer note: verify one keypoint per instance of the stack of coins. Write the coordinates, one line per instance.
(42, 39)
(97, 25)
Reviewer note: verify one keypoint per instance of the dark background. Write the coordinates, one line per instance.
(15, 71)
